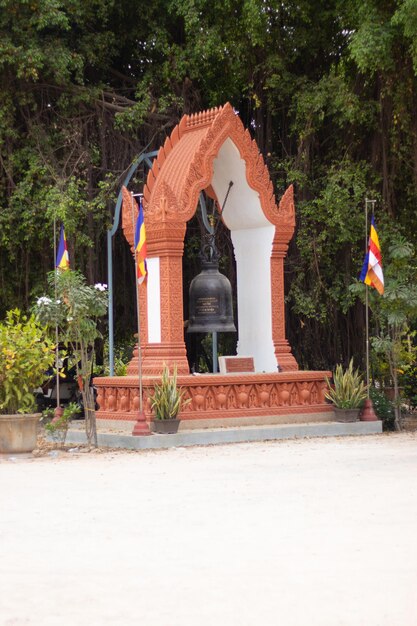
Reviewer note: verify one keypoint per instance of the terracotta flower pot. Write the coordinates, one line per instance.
(18, 433)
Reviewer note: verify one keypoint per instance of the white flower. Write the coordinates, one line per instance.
(43, 300)
(58, 301)
(100, 286)
(70, 319)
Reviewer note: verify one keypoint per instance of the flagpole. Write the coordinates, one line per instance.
(137, 306)
(367, 414)
(372, 203)
(366, 302)
(140, 427)
(58, 399)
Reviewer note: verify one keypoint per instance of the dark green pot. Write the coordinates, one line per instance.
(166, 427)
(346, 415)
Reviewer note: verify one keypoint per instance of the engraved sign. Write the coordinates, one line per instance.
(236, 364)
(209, 305)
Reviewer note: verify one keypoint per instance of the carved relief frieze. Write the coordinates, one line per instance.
(164, 278)
(176, 300)
(221, 396)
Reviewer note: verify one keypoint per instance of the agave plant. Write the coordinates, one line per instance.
(168, 398)
(348, 389)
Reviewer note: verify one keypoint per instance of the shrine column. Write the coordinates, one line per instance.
(286, 361)
(166, 243)
(284, 230)
(161, 299)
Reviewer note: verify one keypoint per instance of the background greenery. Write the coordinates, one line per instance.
(328, 89)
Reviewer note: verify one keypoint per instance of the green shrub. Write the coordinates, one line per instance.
(57, 427)
(408, 381)
(26, 353)
(383, 408)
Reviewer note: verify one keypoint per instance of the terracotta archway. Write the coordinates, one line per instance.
(186, 165)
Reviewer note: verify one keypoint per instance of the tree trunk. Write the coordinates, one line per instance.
(394, 374)
(90, 414)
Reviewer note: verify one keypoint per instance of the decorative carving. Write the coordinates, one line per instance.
(164, 207)
(129, 216)
(101, 397)
(123, 403)
(111, 400)
(202, 118)
(305, 393)
(284, 395)
(286, 210)
(135, 400)
(264, 394)
(222, 396)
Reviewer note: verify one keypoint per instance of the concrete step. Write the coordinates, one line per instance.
(215, 436)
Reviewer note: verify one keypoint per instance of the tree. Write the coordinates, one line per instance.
(394, 313)
(74, 308)
(327, 88)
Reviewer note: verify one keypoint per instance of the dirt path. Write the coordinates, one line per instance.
(310, 532)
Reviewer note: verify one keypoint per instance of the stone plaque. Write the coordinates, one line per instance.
(236, 364)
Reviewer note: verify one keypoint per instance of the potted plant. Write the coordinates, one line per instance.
(347, 393)
(26, 353)
(57, 425)
(167, 402)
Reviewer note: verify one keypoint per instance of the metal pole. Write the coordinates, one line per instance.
(367, 337)
(366, 302)
(215, 360)
(372, 202)
(110, 292)
(58, 399)
(110, 234)
(138, 311)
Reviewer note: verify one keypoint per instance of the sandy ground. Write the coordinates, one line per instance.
(315, 532)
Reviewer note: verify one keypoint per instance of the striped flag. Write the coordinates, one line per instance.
(371, 273)
(62, 257)
(140, 246)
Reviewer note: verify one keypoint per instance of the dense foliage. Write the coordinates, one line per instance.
(26, 353)
(327, 87)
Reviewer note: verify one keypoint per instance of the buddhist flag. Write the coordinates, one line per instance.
(372, 266)
(62, 257)
(140, 246)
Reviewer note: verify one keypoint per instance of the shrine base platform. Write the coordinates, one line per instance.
(217, 436)
(223, 400)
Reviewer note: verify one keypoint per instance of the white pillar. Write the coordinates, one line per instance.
(154, 300)
(253, 266)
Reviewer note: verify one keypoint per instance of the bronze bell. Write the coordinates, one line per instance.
(211, 307)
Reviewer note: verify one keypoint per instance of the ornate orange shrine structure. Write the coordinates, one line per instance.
(204, 153)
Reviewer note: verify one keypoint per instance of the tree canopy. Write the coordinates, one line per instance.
(328, 89)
